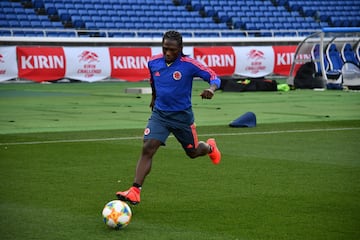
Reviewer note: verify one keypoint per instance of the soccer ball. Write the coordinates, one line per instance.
(117, 214)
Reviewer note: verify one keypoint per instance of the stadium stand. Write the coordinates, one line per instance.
(148, 18)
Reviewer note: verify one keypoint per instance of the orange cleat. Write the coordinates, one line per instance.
(131, 196)
(215, 155)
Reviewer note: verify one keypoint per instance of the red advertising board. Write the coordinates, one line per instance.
(41, 63)
(284, 57)
(221, 60)
(129, 63)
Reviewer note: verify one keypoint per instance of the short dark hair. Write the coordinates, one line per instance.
(173, 35)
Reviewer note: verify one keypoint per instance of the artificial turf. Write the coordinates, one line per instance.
(65, 149)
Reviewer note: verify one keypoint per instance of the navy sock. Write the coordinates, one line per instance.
(210, 149)
(137, 185)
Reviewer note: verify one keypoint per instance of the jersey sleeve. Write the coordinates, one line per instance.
(205, 73)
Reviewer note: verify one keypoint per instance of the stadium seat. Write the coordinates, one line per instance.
(22, 17)
(223, 16)
(64, 16)
(14, 23)
(4, 33)
(51, 11)
(90, 25)
(37, 4)
(335, 62)
(196, 5)
(315, 57)
(334, 57)
(78, 23)
(206, 34)
(4, 24)
(123, 34)
(308, 11)
(233, 34)
(348, 54)
(351, 68)
(294, 6)
(281, 2)
(66, 34)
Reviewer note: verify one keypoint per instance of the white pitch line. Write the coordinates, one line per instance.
(213, 134)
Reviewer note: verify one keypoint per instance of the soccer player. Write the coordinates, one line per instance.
(171, 79)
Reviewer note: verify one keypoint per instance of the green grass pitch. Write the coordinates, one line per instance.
(65, 149)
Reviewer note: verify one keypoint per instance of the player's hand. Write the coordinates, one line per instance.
(207, 94)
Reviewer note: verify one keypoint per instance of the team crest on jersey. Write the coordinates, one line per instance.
(146, 131)
(177, 75)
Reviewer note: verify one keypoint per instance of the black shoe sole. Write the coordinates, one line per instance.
(125, 199)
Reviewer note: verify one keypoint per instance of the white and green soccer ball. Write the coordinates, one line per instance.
(117, 214)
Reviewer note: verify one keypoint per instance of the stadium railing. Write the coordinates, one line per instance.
(108, 33)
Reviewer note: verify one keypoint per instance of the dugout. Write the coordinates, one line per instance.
(319, 60)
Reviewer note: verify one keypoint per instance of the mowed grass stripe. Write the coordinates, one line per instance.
(38, 108)
(200, 135)
(272, 186)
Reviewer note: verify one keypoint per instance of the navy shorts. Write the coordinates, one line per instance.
(180, 124)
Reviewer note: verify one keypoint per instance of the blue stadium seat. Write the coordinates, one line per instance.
(237, 22)
(269, 25)
(14, 23)
(52, 34)
(4, 24)
(335, 62)
(64, 16)
(5, 4)
(281, 2)
(77, 22)
(348, 54)
(106, 18)
(100, 25)
(223, 16)
(90, 25)
(66, 34)
(123, 34)
(22, 17)
(88, 6)
(36, 24)
(51, 11)
(206, 34)
(11, 17)
(250, 26)
(315, 56)
(233, 34)
(96, 18)
(196, 5)
(37, 4)
(308, 11)
(46, 24)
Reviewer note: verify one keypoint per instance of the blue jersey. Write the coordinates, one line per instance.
(173, 82)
